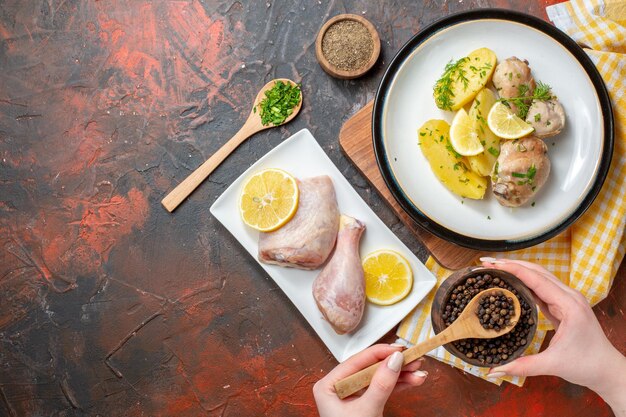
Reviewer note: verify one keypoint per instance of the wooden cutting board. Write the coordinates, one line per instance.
(355, 139)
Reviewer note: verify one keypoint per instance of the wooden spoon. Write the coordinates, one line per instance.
(250, 127)
(466, 326)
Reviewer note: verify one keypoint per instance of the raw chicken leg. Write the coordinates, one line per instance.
(339, 290)
(306, 240)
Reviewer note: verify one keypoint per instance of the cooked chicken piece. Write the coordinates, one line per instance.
(547, 117)
(339, 290)
(306, 240)
(520, 171)
(512, 77)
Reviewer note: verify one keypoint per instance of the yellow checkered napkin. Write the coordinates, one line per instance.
(588, 254)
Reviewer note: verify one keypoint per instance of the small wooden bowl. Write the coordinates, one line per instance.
(339, 73)
(445, 290)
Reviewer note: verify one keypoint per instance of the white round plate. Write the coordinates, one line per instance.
(580, 154)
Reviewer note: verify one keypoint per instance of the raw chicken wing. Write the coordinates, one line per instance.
(339, 290)
(306, 240)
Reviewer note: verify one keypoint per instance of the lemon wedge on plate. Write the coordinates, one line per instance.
(269, 199)
(506, 124)
(463, 135)
(388, 277)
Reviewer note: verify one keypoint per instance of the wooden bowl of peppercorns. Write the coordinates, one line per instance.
(454, 294)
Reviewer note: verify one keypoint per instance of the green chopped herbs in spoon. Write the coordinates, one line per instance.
(279, 102)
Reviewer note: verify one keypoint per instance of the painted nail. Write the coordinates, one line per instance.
(395, 362)
(420, 374)
(496, 374)
(397, 345)
(491, 260)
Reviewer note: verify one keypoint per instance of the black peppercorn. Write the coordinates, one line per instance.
(492, 316)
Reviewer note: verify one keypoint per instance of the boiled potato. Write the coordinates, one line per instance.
(483, 163)
(449, 167)
(463, 79)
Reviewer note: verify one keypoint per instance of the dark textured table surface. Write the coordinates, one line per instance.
(111, 306)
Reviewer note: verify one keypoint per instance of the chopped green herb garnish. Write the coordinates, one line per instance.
(443, 87)
(522, 89)
(279, 102)
(532, 204)
(482, 70)
(528, 175)
(494, 174)
(523, 101)
(452, 151)
(537, 117)
(422, 133)
(460, 165)
(493, 151)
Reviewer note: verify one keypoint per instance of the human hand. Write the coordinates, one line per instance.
(389, 377)
(579, 351)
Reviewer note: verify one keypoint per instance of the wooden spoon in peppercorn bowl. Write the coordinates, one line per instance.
(468, 325)
(252, 125)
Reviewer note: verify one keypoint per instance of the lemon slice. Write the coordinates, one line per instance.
(505, 124)
(269, 199)
(388, 277)
(463, 135)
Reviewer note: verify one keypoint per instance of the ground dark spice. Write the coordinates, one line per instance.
(347, 45)
(488, 351)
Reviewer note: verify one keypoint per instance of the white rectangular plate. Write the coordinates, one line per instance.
(301, 156)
